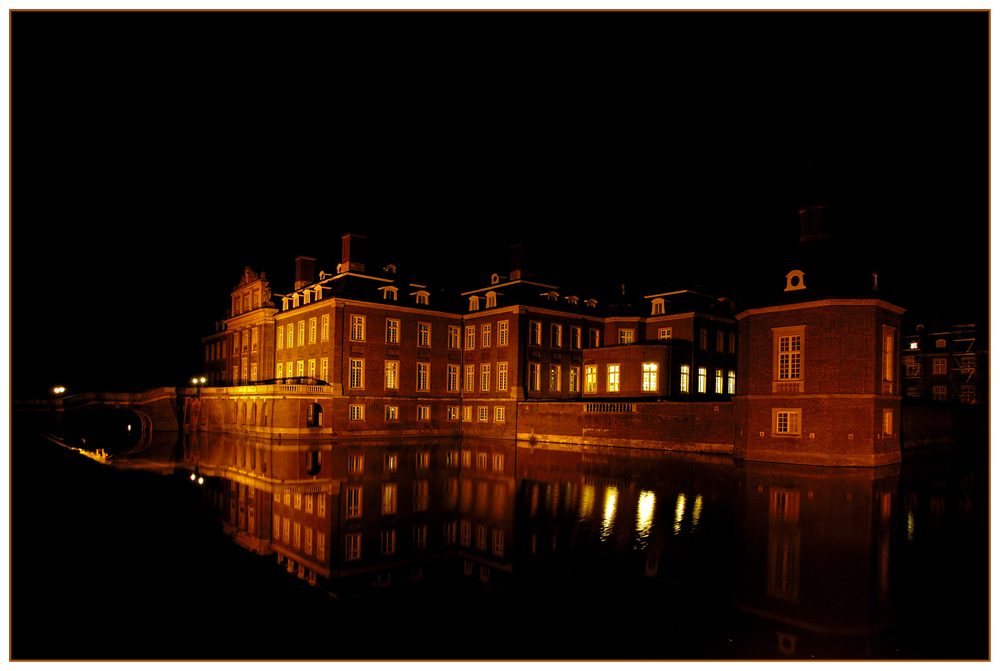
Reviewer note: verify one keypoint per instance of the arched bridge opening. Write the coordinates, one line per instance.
(113, 430)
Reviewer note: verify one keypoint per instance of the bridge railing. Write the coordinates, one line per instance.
(120, 396)
(258, 389)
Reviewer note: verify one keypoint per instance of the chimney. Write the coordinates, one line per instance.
(815, 223)
(518, 259)
(352, 253)
(304, 271)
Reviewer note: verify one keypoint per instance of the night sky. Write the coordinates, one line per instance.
(154, 155)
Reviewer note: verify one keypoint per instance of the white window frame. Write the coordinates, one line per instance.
(486, 335)
(391, 413)
(590, 379)
(685, 379)
(470, 337)
(485, 377)
(503, 333)
(453, 377)
(423, 376)
(356, 368)
(786, 422)
(555, 372)
(556, 340)
(423, 334)
(650, 377)
(357, 413)
(535, 334)
(534, 376)
(498, 413)
(502, 376)
(392, 331)
(614, 378)
(423, 413)
(391, 374)
(626, 336)
(470, 377)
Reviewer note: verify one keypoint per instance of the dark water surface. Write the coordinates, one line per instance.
(491, 550)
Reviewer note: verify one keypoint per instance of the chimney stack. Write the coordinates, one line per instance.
(352, 252)
(518, 259)
(304, 266)
(815, 223)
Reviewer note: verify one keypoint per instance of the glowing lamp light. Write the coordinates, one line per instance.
(58, 390)
(192, 477)
(202, 380)
(201, 481)
(913, 345)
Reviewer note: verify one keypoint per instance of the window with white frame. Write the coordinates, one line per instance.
(312, 330)
(290, 368)
(473, 303)
(357, 327)
(502, 333)
(470, 337)
(392, 331)
(590, 379)
(312, 368)
(357, 412)
(485, 377)
(357, 375)
(309, 541)
(300, 368)
(557, 335)
(685, 379)
(498, 413)
(302, 332)
(484, 413)
(491, 299)
(291, 335)
(452, 412)
(555, 378)
(453, 337)
(502, 376)
(574, 379)
(718, 380)
(657, 306)
(324, 368)
(465, 536)
(487, 335)
(626, 336)
(534, 376)
(281, 337)
(354, 501)
(666, 333)
(391, 413)
(452, 377)
(574, 337)
(353, 542)
(423, 376)
(731, 389)
(467, 413)
(595, 338)
(732, 343)
(702, 380)
(940, 366)
(535, 335)
(423, 334)
(280, 371)
(788, 355)
(470, 377)
(423, 297)
(614, 377)
(649, 376)
(423, 412)
(787, 421)
(325, 328)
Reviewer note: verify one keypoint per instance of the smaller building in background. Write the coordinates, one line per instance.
(946, 363)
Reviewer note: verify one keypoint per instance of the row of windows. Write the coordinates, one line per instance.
(357, 380)
(650, 378)
(358, 413)
(939, 366)
(356, 462)
(788, 422)
(352, 542)
(297, 499)
(298, 369)
(290, 533)
(287, 333)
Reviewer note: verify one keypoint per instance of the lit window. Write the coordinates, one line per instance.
(391, 413)
(502, 376)
(502, 329)
(452, 378)
(614, 377)
(312, 330)
(302, 332)
(590, 379)
(626, 336)
(536, 334)
(423, 376)
(357, 327)
(557, 335)
(470, 377)
(485, 377)
(291, 335)
(649, 371)
(325, 328)
(357, 379)
(281, 337)
(787, 422)
(666, 334)
(718, 380)
(574, 379)
(280, 371)
(423, 335)
(312, 368)
(389, 498)
(324, 368)
(290, 369)
(555, 378)
(453, 337)
(702, 380)
(300, 367)
(487, 335)
(940, 366)
(685, 379)
(731, 390)
(357, 412)
(913, 345)
(354, 501)
(534, 375)
(392, 331)
(470, 337)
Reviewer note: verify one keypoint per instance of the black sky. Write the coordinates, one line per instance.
(154, 155)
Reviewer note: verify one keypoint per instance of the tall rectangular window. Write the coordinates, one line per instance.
(574, 379)
(649, 375)
(940, 392)
(392, 375)
(574, 337)
(353, 546)
(357, 412)
(470, 337)
(389, 498)
(357, 327)
(453, 337)
(702, 380)
(281, 337)
(502, 376)
(312, 330)
(614, 377)
(685, 379)
(789, 357)
(940, 366)
(595, 338)
(357, 379)
(312, 367)
(485, 377)
(325, 328)
(887, 421)
(391, 413)
(718, 380)
(392, 331)
(555, 378)
(324, 369)
(888, 354)
(423, 376)
(590, 379)
(487, 335)
(423, 335)
(731, 389)
(291, 335)
(720, 340)
(300, 368)
(290, 369)
(253, 340)
(470, 378)
(423, 412)
(732, 343)
(354, 501)
(320, 546)
(626, 336)
(452, 377)
(280, 371)
(702, 338)
(302, 332)
(502, 329)
(388, 541)
(534, 375)
(535, 337)
(557, 335)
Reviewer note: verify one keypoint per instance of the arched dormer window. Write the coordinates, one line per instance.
(389, 293)
(319, 293)
(295, 300)
(284, 302)
(390, 268)
(657, 306)
(795, 280)
(422, 297)
(473, 303)
(572, 300)
(491, 299)
(494, 279)
(551, 295)
(591, 302)
(939, 343)
(306, 295)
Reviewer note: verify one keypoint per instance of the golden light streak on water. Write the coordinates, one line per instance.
(610, 504)
(696, 513)
(644, 517)
(679, 513)
(909, 526)
(587, 501)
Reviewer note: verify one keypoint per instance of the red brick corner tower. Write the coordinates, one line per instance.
(818, 360)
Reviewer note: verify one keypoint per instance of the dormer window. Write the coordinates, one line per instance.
(591, 302)
(657, 306)
(494, 279)
(422, 297)
(913, 344)
(284, 302)
(795, 280)
(389, 293)
(390, 269)
(552, 296)
(939, 343)
(319, 293)
(473, 303)
(305, 297)
(295, 300)
(491, 299)
(572, 300)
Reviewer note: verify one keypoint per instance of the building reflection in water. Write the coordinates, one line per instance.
(806, 554)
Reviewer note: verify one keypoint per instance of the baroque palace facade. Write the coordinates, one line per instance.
(363, 352)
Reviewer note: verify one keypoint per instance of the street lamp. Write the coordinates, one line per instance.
(58, 390)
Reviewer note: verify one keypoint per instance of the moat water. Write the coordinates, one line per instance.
(480, 549)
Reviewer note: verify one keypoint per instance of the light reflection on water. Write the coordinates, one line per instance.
(817, 552)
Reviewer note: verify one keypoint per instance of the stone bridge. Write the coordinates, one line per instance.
(158, 409)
